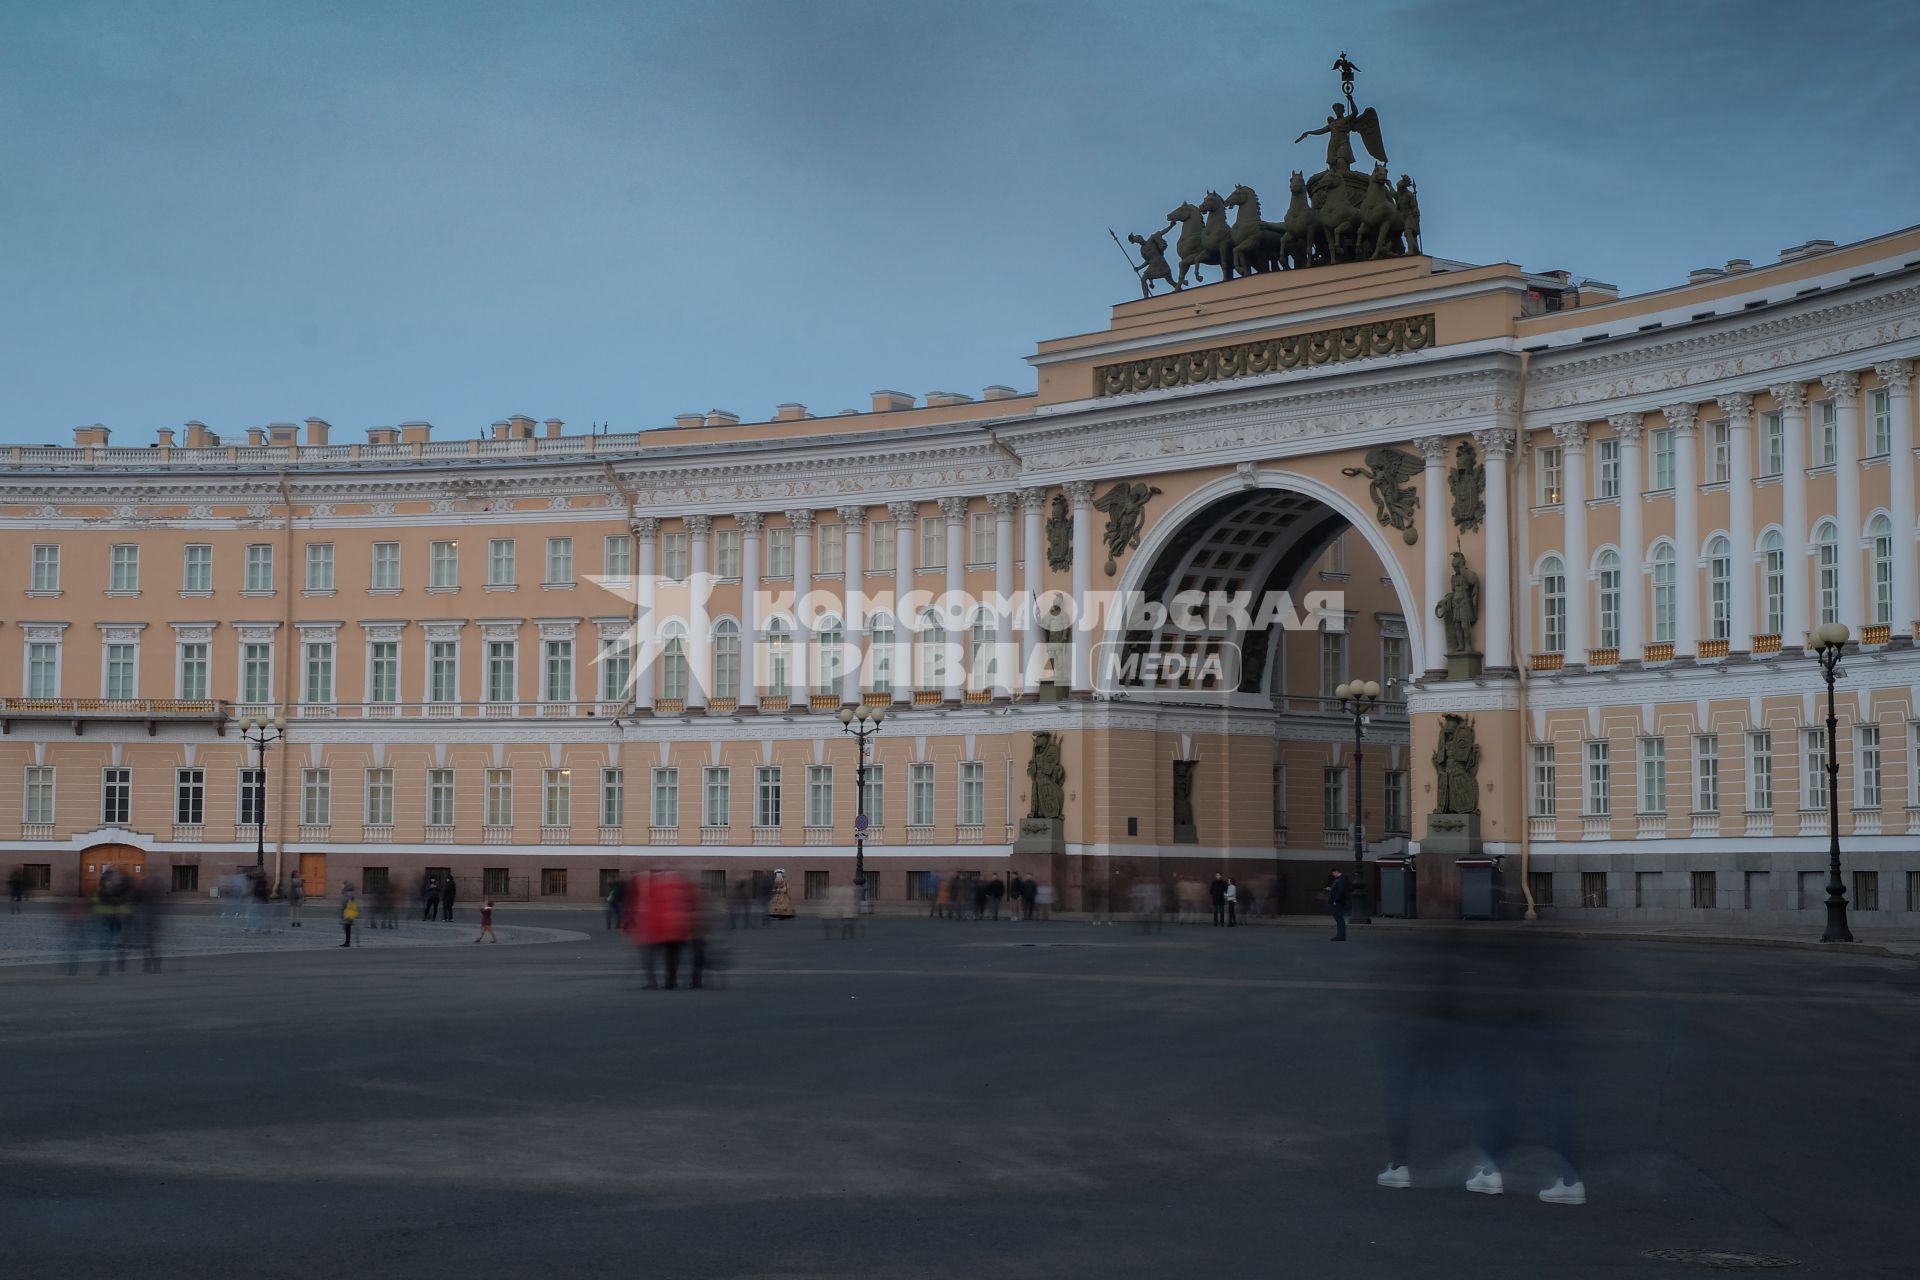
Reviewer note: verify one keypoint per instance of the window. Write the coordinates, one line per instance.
(718, 783)
(1773, 582)
(726, 553)
(980, 540)
(766, 786)
(1866, 767)
(933, 542)
(1813, 768)
(874, 800)
(379, 808)
(920, 794)
(1866, 891)
(1606, 467)
(1826, 545)
(1540, 792)
(558, 670)
(43, 669)
(980, 653)
(933, 651)
(193, 671)
(1825, 440)
(1719, 589)
(316, 797)
(39, 795)
(616, 668)
(319, 656)
(1333, 799)
(666, 797)
(116, 796)
(1609, 619)
(673, 660)
(122, 670)
(830, 549)
(973, 793)
(1719, 452)
(259, 579)
(830, 655)
(1653, 775)
(816, 885)
(196, 574)
(726, 659)
(383, 671)
(500, 562)
(256, 672)
(1553, 606)
(1280, 798)
(881, 646)
(1665, 591)
(616, 556)
(499, 797)
(443, 566)
(123, 577)
(819, 795)
(780, 551)
(1598, 800)
(1706, 774)
(1703, 896)
(880, 537)
(46, 567)
(1395, 793)
(1879, 423)
(385, 573)
(779, 658)
(189, 797)
(1593, 888)
(501, 684)
(1333, 661)
(1880, 566)
(553, 882)
(497, 882)
(1760, 772)
(1549, 473)
(1540, 888)
(1393, 662)
(1662, 458)
(439, 797)
(443, 671)
(1773, 444)
(319, 566)
(613, 798)
(674, 556)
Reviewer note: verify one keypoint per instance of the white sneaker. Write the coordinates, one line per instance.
(1397, 1175)
(1487, 1182)
(1561, 1193)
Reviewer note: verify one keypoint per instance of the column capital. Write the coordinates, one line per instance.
(1003, 503)
(646, 526)
(1897, 374)
(1680, 417)
(853, 517)
(1433, 449)
(801, 520)
(699, 526)
(1843, 385)
(1572, 436)
(1628, 426)
(1495, 442)
(1738, 406)
(904, 511)
(751, 522)
(956, 508)
(1034, 499)
(1081, 491)
(1791, 396)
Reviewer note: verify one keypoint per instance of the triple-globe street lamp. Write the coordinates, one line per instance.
(863, 722)
(1829, 640)
(261, 732)
(1358, 698)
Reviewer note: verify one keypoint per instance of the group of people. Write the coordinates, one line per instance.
(438, 893)
(965, 896)
(125, 913)
(666, 918)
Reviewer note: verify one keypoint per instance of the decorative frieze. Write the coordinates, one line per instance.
(1268, 355)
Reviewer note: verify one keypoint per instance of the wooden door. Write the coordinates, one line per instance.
(95, 861)
(313, 870)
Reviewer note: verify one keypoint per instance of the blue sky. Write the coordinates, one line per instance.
(369, 213)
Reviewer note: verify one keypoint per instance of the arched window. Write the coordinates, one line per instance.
(1665, 612)
(1773, 582)
(1826, 548)
(881, 648)
(726, 658)
(779, 658)
(933, 651)
(673, 660)
(1608, 566)
(1880, 553)
(1553, 606)
(1719, 589)
(830, 647)
(980, 652)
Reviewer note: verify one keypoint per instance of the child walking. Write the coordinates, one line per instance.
(486, 922)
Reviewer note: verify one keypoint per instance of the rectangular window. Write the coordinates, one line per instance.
(1395, 793)
(316, 797)
(830, 549)
(780, 551)
(122, 671)
(499, 797)
(124, 575)
(816, 885)
(196, 574)
(880, 546)
(256, 672)
(666, 797)
(500, 562)
(439, 797)
(874, 799)
(616, 669)
(1760, 772)
(319, 662)
(1813, 769)
(385, 575)
(319, 566)
(1825, 414)
(933, 542)
(443, 566)
(558, 664)
(1333, 799)
(1540, 888)
(616, 556)
(674, 556)
(193, 671)
(766, 785)
(553, 882)
(1706, 774)
(1540, 793)
(973, 793)
(190, 797)
(1719, 452)
(379, 808)
(819, 795)
(1773, 444)
(1662, 458)
(1866, 891)
(1549, 474)
(1333, 661)
(1593, 888)
(259, 580)
(1866, 767)
(1598, 783)
(718, 783)
(1653, 775)
(1703, 890)
(46, 567)
(43, 669)
(443, 671)
(39, 795)
(1393, 663)
(980, 548)
(383, 672)
(1879, 423)
(726, 553)
(501, 683)
(881, 651)
(116, 796)
(1606, 467)
(613, 798)
(920, 794)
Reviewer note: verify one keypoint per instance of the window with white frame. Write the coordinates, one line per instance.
(46, 567)
(1665, 592)
(1866, 766)
(190, 797)
(874, 797)
(718, 784)
(316, 797)
(196, 572)
(259, 572)
(38, 801)
(256, 672)
(502, 682)
(1653, 775)
(613, 797)
(1813, 768)
(560, 562)
(616, 556)
(1760, 772)
(1333, 799)
(193, 670)
(616, 667)
(766, 799)
(123, 575)
(383, 671)
(820, 795)
(1394, 799)
(1719, 589)
(1597, 784)
(881, 647)
(933, 651)
(1879, 423)
(973, 793)
(830, 549)
(319, 566)
(557, 670)
(673, 660)
(980, 653)
(250, 805)
(1880, 569)
(666, 797)
(1706, 774)
(933, 542)
(1549, 477)
(1393, 662)
(379, 804)
(726, 553)
(116, 796)
(1826, 547)
(385, 575)
(1553, 606)
(830, 655)
(439, 797)
(1719, 452)
(443, 671)
(1661, 458)
(880, 546)
(43, 669)
(779, 657)
(1608, 619)
(1540, 791)
(1333, 661)
(443, 566)
(780, 551)
(920, 794)
(556, 809)
(319, 672)
(501, 554)
(1606, 467)
(1335, 560)
(1826, 418)
(1773, 444)
(1773, 582)
(122, 671)
(675, 556)
(980, 548)
(499, 798)
(726, 658)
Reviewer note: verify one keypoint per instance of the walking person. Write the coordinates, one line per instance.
(1233, 903)
(430, 897)
(616, 899)
(486, 921)
(447, 893)
(257, 904)
(1045, 892)
(1218, 892)
(296, 894)
(1338, 891)
(16, 889)
(1028, 888)
(996, 890)
(349, 911)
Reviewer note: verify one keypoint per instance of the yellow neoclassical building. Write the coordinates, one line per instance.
(1579, 540)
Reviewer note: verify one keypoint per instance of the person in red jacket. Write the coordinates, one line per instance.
(663, 919)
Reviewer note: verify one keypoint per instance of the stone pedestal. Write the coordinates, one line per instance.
(1040, 835)
(1463, 666)
(1451, 835)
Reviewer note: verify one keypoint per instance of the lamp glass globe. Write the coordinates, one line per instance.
(879, 714)
(1373, 688)
(1341, 691)
(846, 715)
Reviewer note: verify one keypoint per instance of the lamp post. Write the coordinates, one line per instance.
(261, 731)
(863, 722)
(1829, 639)
(1358, 698)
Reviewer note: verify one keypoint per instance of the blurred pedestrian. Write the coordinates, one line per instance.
(258, 894)
(349, 911)
(112, 904)
(429, 897)
(449, 889)
(1337, 893)
(996, 890)
(843, 908)
(386, 906)
(1233, 903)
(779, 900)
(1028, 889)
(486, 921)
(16, 889)
(149, 910)
(979, 899)
(1218, 892)
(942, 896)
(296, 894)
(615, 900)
(666, 912)
(1045, 892)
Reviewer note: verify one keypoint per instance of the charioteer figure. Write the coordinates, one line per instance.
(1153, 249)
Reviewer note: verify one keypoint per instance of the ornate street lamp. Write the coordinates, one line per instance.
(1829, 638)
(1358, 699)
(863, 722)
(261, 731)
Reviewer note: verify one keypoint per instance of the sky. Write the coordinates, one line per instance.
(243, 213)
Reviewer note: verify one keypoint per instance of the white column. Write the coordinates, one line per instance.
(853, 606)
(1791, 397)
(1573, 518)
(1686, 528)
(1433, 532)
(1081, 494)
(1033, 564)
(906, 526)
(1003, 655)
(1739, 410)
(700, 620)
(750, 525)
(1899, 379)
(1844, 387)
(646, 534)
(1496, 446)
(802, 522)
(956, 614)
(1633, 558)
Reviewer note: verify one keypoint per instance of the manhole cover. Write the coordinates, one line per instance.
(1724, 1259)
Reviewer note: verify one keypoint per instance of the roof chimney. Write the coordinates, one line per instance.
(383, 435)
(198, 437)
(415, 432)
(935, 398)
(317, 431)
(93, 435)
(687, 421)
(722, 418)
(1700, 275)
(165, 437)
(522, 427)
(502, 430)
(998, 392)
(1593, 291)
(888, 401)
(1736, 265)
(790, 412)
(1793, 253)
(554, 428)
(283, 435)
(256, 436)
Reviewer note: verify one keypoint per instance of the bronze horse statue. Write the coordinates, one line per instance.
(1339, 218)
(1199, 244)
(1256, 244)
(1302, 229)
(1380, 216)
